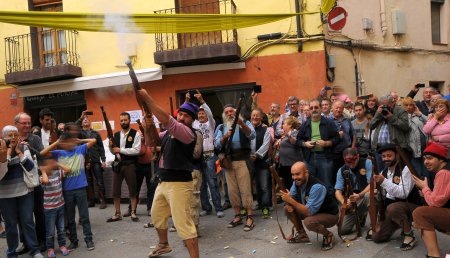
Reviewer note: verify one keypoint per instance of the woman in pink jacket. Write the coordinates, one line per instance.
(438, 125)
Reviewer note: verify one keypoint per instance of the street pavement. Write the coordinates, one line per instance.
(130, 239)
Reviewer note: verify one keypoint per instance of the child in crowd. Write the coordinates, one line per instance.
(51, 179)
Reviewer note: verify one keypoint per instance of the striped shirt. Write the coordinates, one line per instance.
(53, 197)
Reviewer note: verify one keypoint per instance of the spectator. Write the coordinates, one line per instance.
(260, 161)
(317, 136)
(61, 127)
(289, 151)
(371, 105)
(390, 125)
(438, 125)
(70, 154)
(294, 103)
(306, 111)
(417, 137)
(46, 118)
(16, 200)
(361, 130)
(325, 104)
(425, 105)
(274, 118)
(447, 97)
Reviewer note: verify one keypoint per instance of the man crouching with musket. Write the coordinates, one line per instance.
(310, 201)
(400, 197)
(174, 192)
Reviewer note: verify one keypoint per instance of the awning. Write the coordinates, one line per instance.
(89, 82)
(141, 23)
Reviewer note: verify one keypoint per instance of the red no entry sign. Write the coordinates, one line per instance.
(337, 18)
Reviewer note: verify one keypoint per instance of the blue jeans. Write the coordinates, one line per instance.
(210, 180)
(263, 180)
(77, 197)
(54, 217)
(19, 210)
(321, 167)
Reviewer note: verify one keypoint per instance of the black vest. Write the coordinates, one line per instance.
(360, 173)
(197, 163)
(259, 140)
(413, 197)
(431, 183)
(244, 152)
(178, 159)
(128, 144)
(329, 205)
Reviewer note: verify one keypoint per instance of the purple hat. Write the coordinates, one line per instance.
(189, 108)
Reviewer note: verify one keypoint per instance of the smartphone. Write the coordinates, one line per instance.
(89, 113)
(365, 96)
(8, 142)
(420, 85)
(257, 89)
(191, 93)
(328, 88)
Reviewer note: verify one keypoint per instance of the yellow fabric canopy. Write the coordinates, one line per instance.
(141, 23)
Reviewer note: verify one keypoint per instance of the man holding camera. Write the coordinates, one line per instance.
(390, 125)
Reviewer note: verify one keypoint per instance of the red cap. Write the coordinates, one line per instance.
(436, 150)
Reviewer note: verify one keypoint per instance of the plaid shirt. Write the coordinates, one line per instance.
(384, 136)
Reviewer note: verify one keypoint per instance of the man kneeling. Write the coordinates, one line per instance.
(310, 201)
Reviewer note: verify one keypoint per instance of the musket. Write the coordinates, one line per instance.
(109, 132)
(406, 161)
(348, 192)
(376, 213)
(151, 136)
(171, 106)
(53, 134)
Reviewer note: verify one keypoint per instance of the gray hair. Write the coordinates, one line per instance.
(431, 88)
(7, 129)
(18, 116)
(389, 98)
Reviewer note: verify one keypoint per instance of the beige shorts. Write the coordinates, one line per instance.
(174, 198)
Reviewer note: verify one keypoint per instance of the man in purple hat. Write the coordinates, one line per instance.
(174, 192)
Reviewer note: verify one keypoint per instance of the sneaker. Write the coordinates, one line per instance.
(265, 212)
(220, 214)
(226, 205)
(64, 250)
(172, 229)
(51, 253)
(90, 245)
(203, 213)
(73, 246)
(38, 255)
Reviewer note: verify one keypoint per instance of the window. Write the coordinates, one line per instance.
(438, 85)
(52, 42)
(438, 27)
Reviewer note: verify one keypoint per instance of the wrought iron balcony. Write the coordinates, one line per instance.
(177, 49)
(41, 56)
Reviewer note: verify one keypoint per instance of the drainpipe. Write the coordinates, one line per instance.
(299, 25)
(357, 79)
(383, 18)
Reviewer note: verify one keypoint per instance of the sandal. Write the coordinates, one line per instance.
(248, 227)
(406, 246)
(160, 250)
(369, 235)
(149, 225)
(299, 237)
(327, 243)
(115, 218)
(134, 217)
(235, 222)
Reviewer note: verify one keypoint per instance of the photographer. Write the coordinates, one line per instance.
(425, 105)
(390, 125)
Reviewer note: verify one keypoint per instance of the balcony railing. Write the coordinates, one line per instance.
(172, 41)
(45, 48)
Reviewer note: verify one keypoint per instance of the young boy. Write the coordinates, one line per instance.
(71, 154)
(51, 179)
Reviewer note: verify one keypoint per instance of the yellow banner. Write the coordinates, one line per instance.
(141, 23)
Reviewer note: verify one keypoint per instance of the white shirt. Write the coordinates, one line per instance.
(45, 137)
(135, 148)
(401, 190)
(207, 129)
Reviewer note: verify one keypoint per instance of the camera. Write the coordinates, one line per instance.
(8, 142)
(89, 113)
(420, 85)
(257, 89)
(385, 111)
